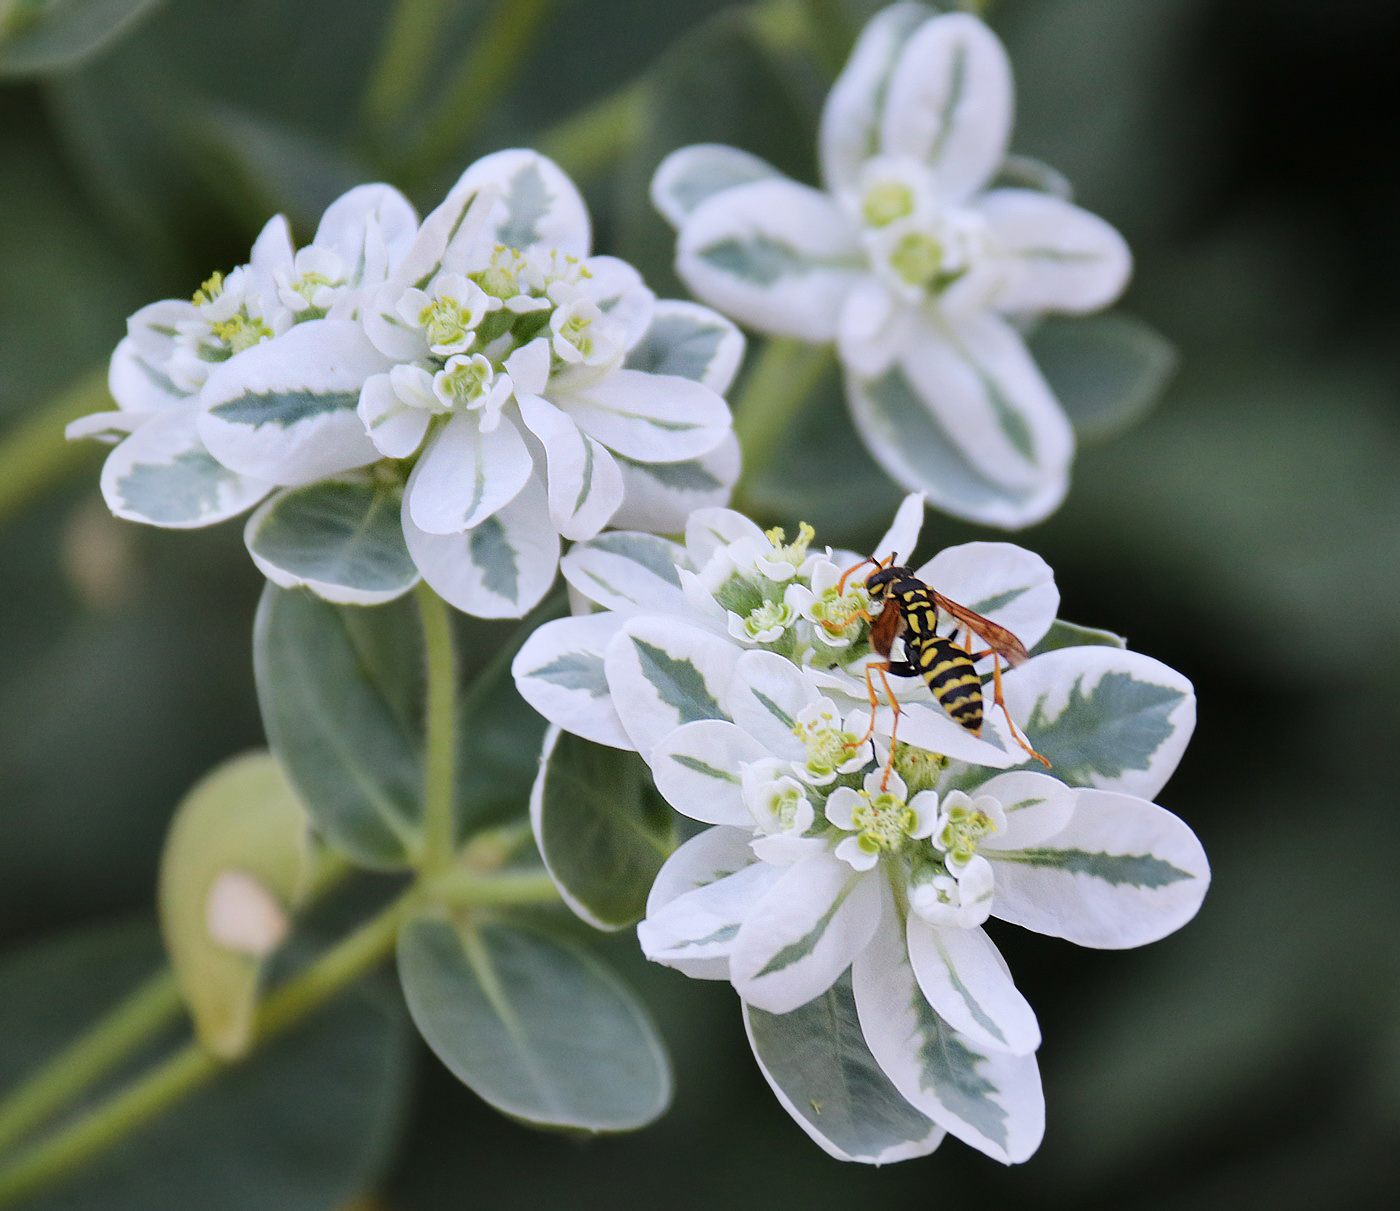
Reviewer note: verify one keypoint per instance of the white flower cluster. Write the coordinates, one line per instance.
(839, 865)
(446, 399)
(923, 259)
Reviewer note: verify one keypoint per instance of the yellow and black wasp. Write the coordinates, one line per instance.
(910, 611)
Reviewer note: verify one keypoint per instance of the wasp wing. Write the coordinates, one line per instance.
(993, 634)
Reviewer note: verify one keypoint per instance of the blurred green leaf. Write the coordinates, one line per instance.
(236, 862)
(336, 712)
(1070, 635)
(39, 37)
(302, 1126)
(538, 1028)
(1107, 370)
(601, 828)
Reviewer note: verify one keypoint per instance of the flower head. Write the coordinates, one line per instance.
(914, 260)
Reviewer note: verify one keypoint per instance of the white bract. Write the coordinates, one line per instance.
(844, 883)
(447, 400)
(913, 260)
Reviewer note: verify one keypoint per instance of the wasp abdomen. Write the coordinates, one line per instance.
(951, 678)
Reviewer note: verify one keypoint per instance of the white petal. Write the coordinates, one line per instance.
(162, 475)
(902, 537)
(1104, 717)
(559, 672)
(528, 367)
(872, 329)
(371, 228)
(850, 119)
(989, 1099)
(664, 673)
(653, 418)
(696, 768)
(704, 923)
(396, 429)
(804, 933)
(498, 569)
(1124, 872)
(697, 863)
(775, 255)
(766, 695)
(585, 485)
(628, 572)
(1001, 581)
(1036, 807)
(1057, 257)
(949, 103)
(967, 983)
(687, 177)
(285, 410)
(465, 475)
(536, 203)
(662, 496)
(707, 530)
(137, 378)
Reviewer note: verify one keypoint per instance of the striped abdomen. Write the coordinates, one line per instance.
(951, 676)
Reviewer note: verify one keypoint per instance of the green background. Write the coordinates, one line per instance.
(1246, 533)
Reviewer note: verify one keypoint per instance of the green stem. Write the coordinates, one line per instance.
(415, 29)
(192, 1067)
(153, 1006)
(440, 764)
(784, 375)
(483, 75)
(588, 143)
(34, 454)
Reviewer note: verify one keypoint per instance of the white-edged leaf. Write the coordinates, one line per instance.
(697, 931)
(815, 1060)
(164, 476)
(689, 341)
(989, 1099)
(1001, 581)
(627, 571)
(466, 475)
(777, 256)
(1122, 873)
(1071, 635)
(662, 496)
(652, 418)
(692, 174)
(559, 671)
(1103, 716)
(663, 673)
(535, 1026)
(601, 828)
(536, 202)
(585, 483)
(500, 568)
(285, 410)
(696, 768)
(341, 538)
(766, 695)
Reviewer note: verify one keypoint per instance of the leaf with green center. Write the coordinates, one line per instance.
(538, 1028)
(340, 538)
(235, 864)
(1070, 635)
(602, 829)
(337, 716)
(816, 1061)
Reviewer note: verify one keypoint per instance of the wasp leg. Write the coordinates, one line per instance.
(1001, 702)
(863, 615)
(888, 666)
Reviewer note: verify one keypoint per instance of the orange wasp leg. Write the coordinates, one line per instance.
(998, 700)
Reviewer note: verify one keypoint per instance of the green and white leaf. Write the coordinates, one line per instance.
(689, 341)
(337, 722)
(1104, 717)
(536, 202)
(1071, 635)
(601, 828)
(1108, 371)
(340, 538)
(235, 865)
(989, 1099)
(626, 571)
(815, 1060)
(1123, 872)
(559, 671)
(534, 1026)
(693, 174)
(662, 673)
(164, 476)
(284, 410)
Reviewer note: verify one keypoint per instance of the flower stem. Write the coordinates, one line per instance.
(415, 29)
(782, 378)
(191, 1067)
(481, 78)
(153, 1006)
(34, 454)
(440, 764)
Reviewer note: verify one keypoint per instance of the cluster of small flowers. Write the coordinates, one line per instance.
(508, 388)
(875, 839)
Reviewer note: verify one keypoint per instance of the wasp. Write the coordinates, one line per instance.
(910, 611)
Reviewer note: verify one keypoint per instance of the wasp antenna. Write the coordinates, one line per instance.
(841, 584)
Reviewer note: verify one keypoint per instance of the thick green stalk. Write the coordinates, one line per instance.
(152, 1007)
(440, 763)
(34, 454)
(480, 80)
(774, 391)
(415, 29)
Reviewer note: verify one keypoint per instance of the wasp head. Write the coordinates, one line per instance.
(877, 584)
